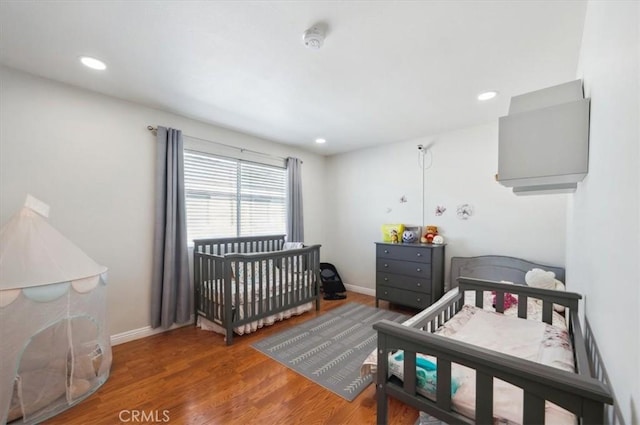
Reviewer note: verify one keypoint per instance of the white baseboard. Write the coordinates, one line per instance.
(144, 332)
(360, 289)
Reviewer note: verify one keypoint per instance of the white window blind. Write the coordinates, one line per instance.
(227, 197)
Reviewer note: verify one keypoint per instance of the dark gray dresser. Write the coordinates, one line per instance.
(409, 274)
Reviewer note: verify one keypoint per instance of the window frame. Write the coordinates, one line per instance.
(240, 197)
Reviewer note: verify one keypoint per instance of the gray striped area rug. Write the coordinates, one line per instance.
(330, 348)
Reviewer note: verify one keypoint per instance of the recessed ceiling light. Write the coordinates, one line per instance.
(321, 141)
(487, 95)
(93, 63)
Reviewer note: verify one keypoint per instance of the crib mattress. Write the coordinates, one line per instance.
(527, 339)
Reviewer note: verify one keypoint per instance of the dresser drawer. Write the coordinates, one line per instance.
(404, 297)
(408, 268)
(416, 284)
(404, 252)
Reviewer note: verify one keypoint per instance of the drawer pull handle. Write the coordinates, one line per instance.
(419, 284)
(386, 279)
(418, 269)
(386, 293)
(386, 251)
(419, 254)
(418, 299)
(386, 265)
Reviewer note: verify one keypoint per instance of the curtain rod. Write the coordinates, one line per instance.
(155, 129)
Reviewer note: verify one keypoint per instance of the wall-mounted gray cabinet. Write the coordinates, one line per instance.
(544, 141)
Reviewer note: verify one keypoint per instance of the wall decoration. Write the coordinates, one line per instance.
(440, 209)
(465, 211)
(403, 199)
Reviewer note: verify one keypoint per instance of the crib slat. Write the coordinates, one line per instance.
(547, 312)
(443, 385)
(533, 409)
(238, 290)
(268, 284)
(484, 398)
(281, 281)
(500, 302)
(261, 287)
(227, 304)
(409, 372)
(522, 306)
(304, 277)
(206, 286)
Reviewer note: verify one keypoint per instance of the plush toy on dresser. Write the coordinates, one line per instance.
(408, 236)
(431, 232)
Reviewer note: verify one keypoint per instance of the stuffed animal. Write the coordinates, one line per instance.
(394, 236)
(408, 236)
(539, 278)
(431, 232)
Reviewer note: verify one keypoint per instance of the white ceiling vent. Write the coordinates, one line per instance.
(313, 38)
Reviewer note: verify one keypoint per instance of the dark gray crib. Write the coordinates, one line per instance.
(244, 279)
(578, 392)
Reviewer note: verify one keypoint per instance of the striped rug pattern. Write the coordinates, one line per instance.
(330, 348)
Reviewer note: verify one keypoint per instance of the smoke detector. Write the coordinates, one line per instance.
(314, 37)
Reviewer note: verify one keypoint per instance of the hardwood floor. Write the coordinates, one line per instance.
(189, 376)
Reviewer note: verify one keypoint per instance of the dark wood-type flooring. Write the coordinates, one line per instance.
(189, 376)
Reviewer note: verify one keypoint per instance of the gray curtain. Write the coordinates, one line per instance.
(295, 223)
(170, 286)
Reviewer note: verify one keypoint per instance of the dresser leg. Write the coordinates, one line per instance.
(376, 303)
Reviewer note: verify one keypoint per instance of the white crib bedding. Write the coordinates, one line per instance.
(527, 339)
(267, 293)
(253, 326)
(268, 289)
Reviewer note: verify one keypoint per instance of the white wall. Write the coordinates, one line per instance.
(363, 185)
(91, 158)
(603, 231)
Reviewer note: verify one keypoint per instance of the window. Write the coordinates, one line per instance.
(226, 197)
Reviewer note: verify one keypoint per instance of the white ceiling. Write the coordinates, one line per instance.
(389, 71)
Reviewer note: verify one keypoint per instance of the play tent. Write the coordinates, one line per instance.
(54, 346)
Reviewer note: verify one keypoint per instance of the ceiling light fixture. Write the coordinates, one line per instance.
(487, 95)
(93, 63)
(321, 141)
(313, 38)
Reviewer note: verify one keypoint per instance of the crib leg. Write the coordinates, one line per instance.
(229, 329)
(382, 408)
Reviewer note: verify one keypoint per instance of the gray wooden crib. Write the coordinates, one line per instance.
(579, 393)
(245, 279)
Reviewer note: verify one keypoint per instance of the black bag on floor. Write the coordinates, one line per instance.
(332, 285)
